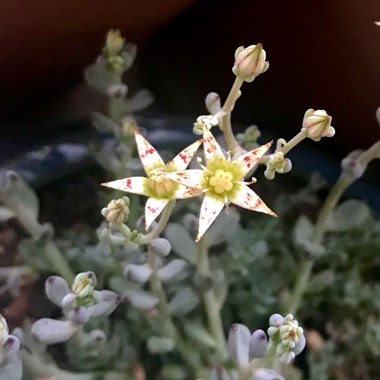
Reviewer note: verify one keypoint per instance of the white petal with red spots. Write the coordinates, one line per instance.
(182, 160)
(248, 160)
(211, 147)
(184, 192)
(136, 185)
(148, 155)
(210, 209)
(153, 208)
(191, 178)
(247, 198)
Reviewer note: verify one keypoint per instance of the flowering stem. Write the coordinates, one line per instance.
(158, 290)
(211, 305)
(225, 122)
(293, 142)
(58, 261)
(343, 182)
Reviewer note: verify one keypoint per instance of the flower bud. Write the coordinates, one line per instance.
(204, 121)
(114, 42)
(276, 320)
(212, 102)
(277, 163)
(250, 62)
(351, 167)
(4, 331)
(129, 126)
(84, 284)
(117, 211)
(317, 124)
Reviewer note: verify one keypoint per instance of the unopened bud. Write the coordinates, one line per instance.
(117, 211)
(250, 62)
(317, 124)
(351, 167)
(204, 121)
(129, 126)
(114, 42)
(277, 163)
(84, 284)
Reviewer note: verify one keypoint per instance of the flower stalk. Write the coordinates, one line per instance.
(344, 181)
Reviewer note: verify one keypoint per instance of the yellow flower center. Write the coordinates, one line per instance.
(221, 181)
(160, 185)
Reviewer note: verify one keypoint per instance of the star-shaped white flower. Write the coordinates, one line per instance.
(222, 182)
(160, 189)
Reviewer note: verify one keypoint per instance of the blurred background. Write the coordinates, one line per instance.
(323, 54)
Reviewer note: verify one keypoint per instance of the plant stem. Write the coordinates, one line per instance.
(58, 261)
(225, 122)
(158, 290)
(343, 182)
(293, 142)
(212, 306)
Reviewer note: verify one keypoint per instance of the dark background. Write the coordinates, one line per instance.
(323, 54)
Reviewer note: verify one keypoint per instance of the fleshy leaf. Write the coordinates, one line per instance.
(182, 244)
(107, 303)
(182, 160)
(50, 331)
(56, 288)
(138, 273)
(199, 334)
(258, 344)
(6, 214)
(148, 155)
(175, 270)
(210, 209)
(183, 302)
(223, 228)
(136, 185)
(160, 344)
(349, 215)
(140, 299)
(238, 344)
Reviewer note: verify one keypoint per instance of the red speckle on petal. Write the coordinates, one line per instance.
(128, 183)
(183, 157)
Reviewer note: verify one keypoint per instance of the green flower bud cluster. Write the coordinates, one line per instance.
(249, 138)
(286, 336)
